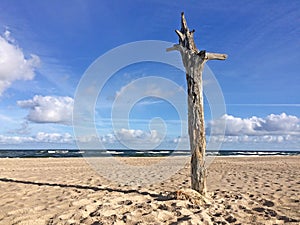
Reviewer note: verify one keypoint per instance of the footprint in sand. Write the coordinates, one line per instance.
(287, 219)
(267, 203)
(230, 219)
(258, 209)
(267, 212)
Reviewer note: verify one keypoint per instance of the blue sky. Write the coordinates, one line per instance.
(46, 47)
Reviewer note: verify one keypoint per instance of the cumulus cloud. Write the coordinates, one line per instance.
(106, 139)
(131, 135)
(130, 138)
(13, 64)
(282, 123)
(139, 139)
(49, 109)
(272, 124)
(273, 129)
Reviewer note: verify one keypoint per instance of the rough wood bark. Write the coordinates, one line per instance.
(193, 61)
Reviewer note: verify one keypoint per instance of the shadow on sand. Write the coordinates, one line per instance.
(159, 197)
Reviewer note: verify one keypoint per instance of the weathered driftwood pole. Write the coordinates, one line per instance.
(193, 61)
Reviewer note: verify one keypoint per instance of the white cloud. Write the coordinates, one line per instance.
(40, 137)
(281, 123)
(49, 109)
(138, 136)
(139, 139)
(273, 129)
(8, 37)
(130, 138)
(13, 64)
(53, 137)
(256, 139)
(14, 139)
(106, 139)
(278, 131)
(272, 124)
(149, 102)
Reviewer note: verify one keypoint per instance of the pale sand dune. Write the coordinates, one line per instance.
(249, 190)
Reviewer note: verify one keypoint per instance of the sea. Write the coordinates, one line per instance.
(65, 153)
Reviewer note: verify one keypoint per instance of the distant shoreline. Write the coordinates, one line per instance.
(65, 153)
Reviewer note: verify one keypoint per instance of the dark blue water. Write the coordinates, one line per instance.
(129, 153)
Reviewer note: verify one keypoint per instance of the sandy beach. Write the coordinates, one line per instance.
(243, 190)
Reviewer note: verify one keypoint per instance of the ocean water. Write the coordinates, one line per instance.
(59, 153)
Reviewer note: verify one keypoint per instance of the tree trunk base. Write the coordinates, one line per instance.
(198, 173)
(193, 196)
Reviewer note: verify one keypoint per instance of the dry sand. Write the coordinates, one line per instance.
(244, 190)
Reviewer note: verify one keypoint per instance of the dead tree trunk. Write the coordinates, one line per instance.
(193, 61)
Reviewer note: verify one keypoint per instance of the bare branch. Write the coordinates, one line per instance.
(213, 56)
(175, 47)
(184, 27)
(186, 37)
(180, 35)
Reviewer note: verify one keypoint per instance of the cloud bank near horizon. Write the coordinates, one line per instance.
(281, 124)
(40, 137)
(273, 129)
